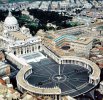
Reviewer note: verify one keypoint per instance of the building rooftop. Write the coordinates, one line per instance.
(84, 40)
(18, 35)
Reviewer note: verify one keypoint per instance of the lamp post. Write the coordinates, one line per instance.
(59, 70)
(100, 32)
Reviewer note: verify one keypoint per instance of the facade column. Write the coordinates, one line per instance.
(37, 47)
(34, 48)
(74, 62)
(40, 47)
(16, 50)
(64, 62)
(55, 97)
(27, 49)
(59, 97)
(0, 42)
(71, 61)
(20, 50)
(23, 50)
(31, 48)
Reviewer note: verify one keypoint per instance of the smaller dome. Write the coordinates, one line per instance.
(23, 28)
(5, 31)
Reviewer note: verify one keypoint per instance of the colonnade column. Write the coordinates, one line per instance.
(92, 80)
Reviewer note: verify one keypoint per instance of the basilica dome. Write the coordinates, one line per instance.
(11, 23)
(10, 20)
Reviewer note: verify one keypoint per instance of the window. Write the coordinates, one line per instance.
(14, 52)
(38, 47)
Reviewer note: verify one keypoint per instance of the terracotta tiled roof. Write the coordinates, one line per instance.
(100, 48)
(2, 82)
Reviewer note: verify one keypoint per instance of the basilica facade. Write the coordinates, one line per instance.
(17, 40)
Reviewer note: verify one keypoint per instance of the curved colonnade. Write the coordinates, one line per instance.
(23, 85)
(94, 70)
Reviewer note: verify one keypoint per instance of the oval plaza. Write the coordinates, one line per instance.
(51, 63)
